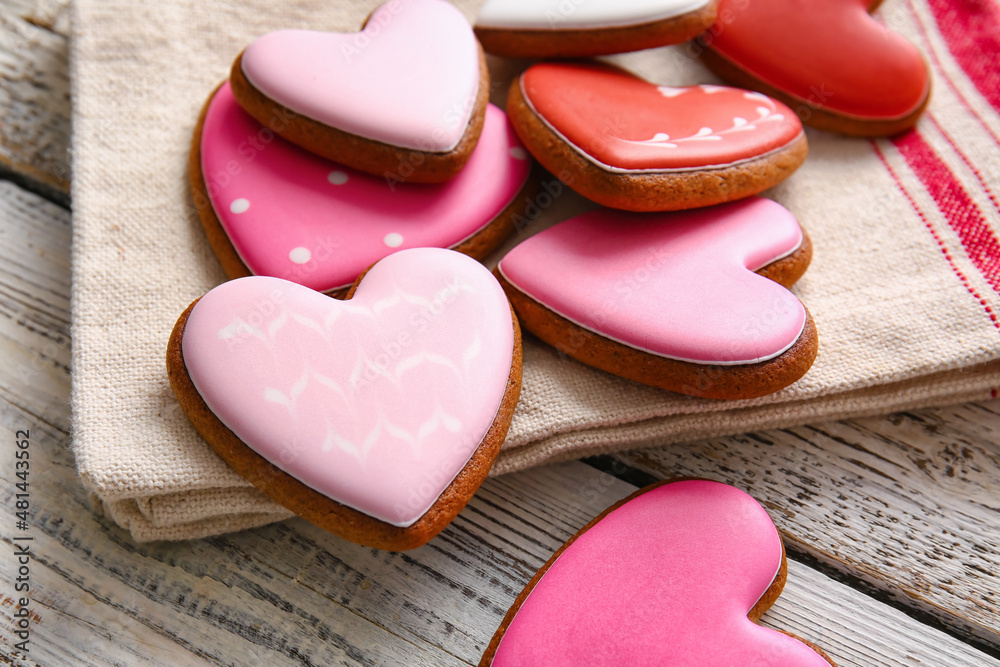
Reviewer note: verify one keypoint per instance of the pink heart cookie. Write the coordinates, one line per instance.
(694, 301)
(271, 208)
(676, 574)
(375, 418)
(630, 144)
(404, 98)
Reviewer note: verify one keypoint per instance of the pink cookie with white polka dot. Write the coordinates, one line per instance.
(271, 208)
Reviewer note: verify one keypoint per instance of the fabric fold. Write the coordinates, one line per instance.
(903, 286)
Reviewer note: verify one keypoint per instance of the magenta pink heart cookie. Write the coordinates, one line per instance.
(376, 417)
(630, 144)
(695, 301)
(403, 98)
(271, 208)
(676, 574)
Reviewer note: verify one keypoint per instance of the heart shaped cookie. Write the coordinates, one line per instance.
(676, 574)
(694, 302)
(833, 63)
(375, 418)
(561, 29)
(403, 99)
(271, 208)
(629, 144)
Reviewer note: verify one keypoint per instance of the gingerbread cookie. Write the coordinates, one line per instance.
(679, 573)
(694, 302)
(375, 418)
(403, 99)
(833, 63)
(271, 208)
(561, 29)
(629, 144)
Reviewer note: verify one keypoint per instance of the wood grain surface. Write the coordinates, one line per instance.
(907, 503)
(904, 507)
(34, 93)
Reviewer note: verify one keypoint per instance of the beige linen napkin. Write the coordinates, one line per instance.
(902, 286)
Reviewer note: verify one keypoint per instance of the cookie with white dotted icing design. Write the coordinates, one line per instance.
(272, 208)
(840, 68)
(695, 302)
(679, 573)
(375, 417)
(579, 28)
(630, 144)
(403, 99)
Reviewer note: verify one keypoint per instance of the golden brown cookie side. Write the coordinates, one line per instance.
(218, 239)
(395, 164)
(705, 380)
(581, 43)
(649, 191)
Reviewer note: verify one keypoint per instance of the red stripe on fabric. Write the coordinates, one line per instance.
(958, 208)
(944, 73)
(971, 29)
(944, 249)
(968, 163)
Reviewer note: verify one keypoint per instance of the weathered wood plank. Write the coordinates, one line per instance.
(34, 304)
(292, 594)
(908, 502)
(34, 92)
(226, 600)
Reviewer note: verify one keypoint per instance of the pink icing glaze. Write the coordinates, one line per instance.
(679, 285)
(378, 401)
(666, 579)
(293, 215)
(409, 78)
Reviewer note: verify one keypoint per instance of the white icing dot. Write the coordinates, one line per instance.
(239, 205)
(393, 240)
(337, 177)
(518, 153)
(300, 255)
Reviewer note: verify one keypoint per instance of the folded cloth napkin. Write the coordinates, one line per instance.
(903, 286)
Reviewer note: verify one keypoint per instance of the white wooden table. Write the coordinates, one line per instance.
(892, 524)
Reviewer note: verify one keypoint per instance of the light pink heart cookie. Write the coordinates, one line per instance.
(692, 301)
(376, 417)
(403, 99)
(271, 208)
(676, 574)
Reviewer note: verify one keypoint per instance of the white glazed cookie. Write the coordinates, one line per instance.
(578, 28)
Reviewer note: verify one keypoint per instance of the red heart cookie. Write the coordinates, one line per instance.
(403, 99)
(271, 208)
(828, 59)
(694, 302)
(376, 417)
(629, 144)
(676, 574)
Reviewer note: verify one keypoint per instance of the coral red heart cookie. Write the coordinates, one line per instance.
(829, 60)
(403, 99)
(561, 29)
(375, 418)
(629, 144)
(271, 208)
(694, 302)
(676, 574)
